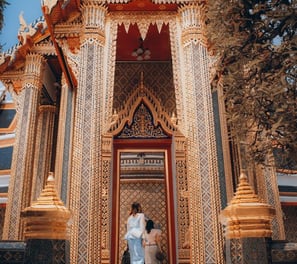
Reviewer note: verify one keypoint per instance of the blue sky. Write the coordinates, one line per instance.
(32, 11)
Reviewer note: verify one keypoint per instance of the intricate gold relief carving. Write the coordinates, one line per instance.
(177, 72)
(142, 126)
(86, 180)
(202, 167)
(184, 243)
(104, 228)
(107, 145)
(94, 15)
(13, 80)
(46, 48)
(157, 77)
(72, 55)
(143, 94)
(126, 115)
(142, 19)
(71, 33)
(192, 19)
(110, 57)
(64, 30)
(34, 66)
(246, 216)
(180, 145)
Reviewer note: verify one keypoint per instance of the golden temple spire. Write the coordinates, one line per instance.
(244, 192)
(246, 215)
(49, 196)
(47, 217)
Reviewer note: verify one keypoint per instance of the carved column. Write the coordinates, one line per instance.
(86, 180)
(43, 149)
(203, 178)
(64, 139)
(106, 170)
(182, 187)
(19, 193)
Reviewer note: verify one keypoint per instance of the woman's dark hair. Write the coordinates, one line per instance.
(149, 226)
(136, 208)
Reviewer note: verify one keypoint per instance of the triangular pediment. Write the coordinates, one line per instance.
(142, 125)
(142, 117)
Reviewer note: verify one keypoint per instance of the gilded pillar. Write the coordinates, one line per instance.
(86, 181)
(43, 148)
(19, 193)
(204, 193)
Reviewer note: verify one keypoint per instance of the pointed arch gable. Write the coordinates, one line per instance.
(142, 125)
(143, 98)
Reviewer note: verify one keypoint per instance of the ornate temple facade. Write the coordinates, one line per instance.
(113, 97)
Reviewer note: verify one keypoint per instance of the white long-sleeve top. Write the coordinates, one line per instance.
(135, 226)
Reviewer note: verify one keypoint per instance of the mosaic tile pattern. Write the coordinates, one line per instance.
(46, 251)
(85, 201)
(12, 252)
(282, 252)
(151, 196)
(157, 76)
(247, 250)
(202, 164)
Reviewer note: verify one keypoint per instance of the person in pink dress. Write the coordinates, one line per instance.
(151, 242)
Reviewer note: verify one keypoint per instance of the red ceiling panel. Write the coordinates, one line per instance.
(157, 43)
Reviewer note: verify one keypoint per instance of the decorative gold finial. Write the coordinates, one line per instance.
(246, 215)
(47, 217)
(244, 192)
(141, 79)
(141, 83)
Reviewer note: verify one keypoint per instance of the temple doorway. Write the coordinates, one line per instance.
(143, 173)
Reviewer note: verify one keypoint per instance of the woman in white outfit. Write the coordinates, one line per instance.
(135, 230)
(151, 243)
